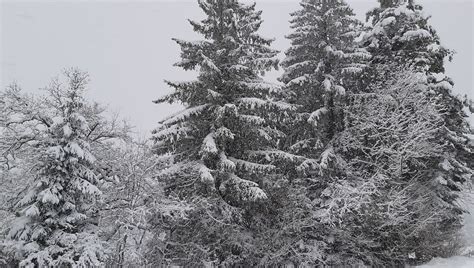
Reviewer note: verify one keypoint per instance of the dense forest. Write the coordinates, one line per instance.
(358, 156)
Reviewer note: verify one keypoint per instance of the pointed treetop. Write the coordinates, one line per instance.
(395, 3)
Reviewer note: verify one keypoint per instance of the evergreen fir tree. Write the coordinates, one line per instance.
(55, 225)
(320, 67)
(323, 65)
(224, 142)
(401, 33)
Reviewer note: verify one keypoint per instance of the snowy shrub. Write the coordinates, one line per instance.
(390, 194)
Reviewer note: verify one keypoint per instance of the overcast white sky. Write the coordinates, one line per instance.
(127, 49)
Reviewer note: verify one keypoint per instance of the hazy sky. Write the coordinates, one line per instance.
(126, 45)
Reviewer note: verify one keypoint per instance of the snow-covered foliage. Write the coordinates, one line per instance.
(51, 136)
(230, 111)
(132, 200)
(360, 157)
(322, 64)
(401, 33)
(465, 257)
(389, 186)
(16, 155)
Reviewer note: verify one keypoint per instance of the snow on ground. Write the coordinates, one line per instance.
(468, 233)
(454, 262)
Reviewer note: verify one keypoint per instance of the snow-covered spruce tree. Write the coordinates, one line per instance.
(223, 143)
(323, 62)
(55, 226)
(401, 34)
(322, 65)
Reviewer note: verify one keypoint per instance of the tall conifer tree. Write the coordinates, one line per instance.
(320, 66)
(223, 143)
(323, 65)
(401, 33)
